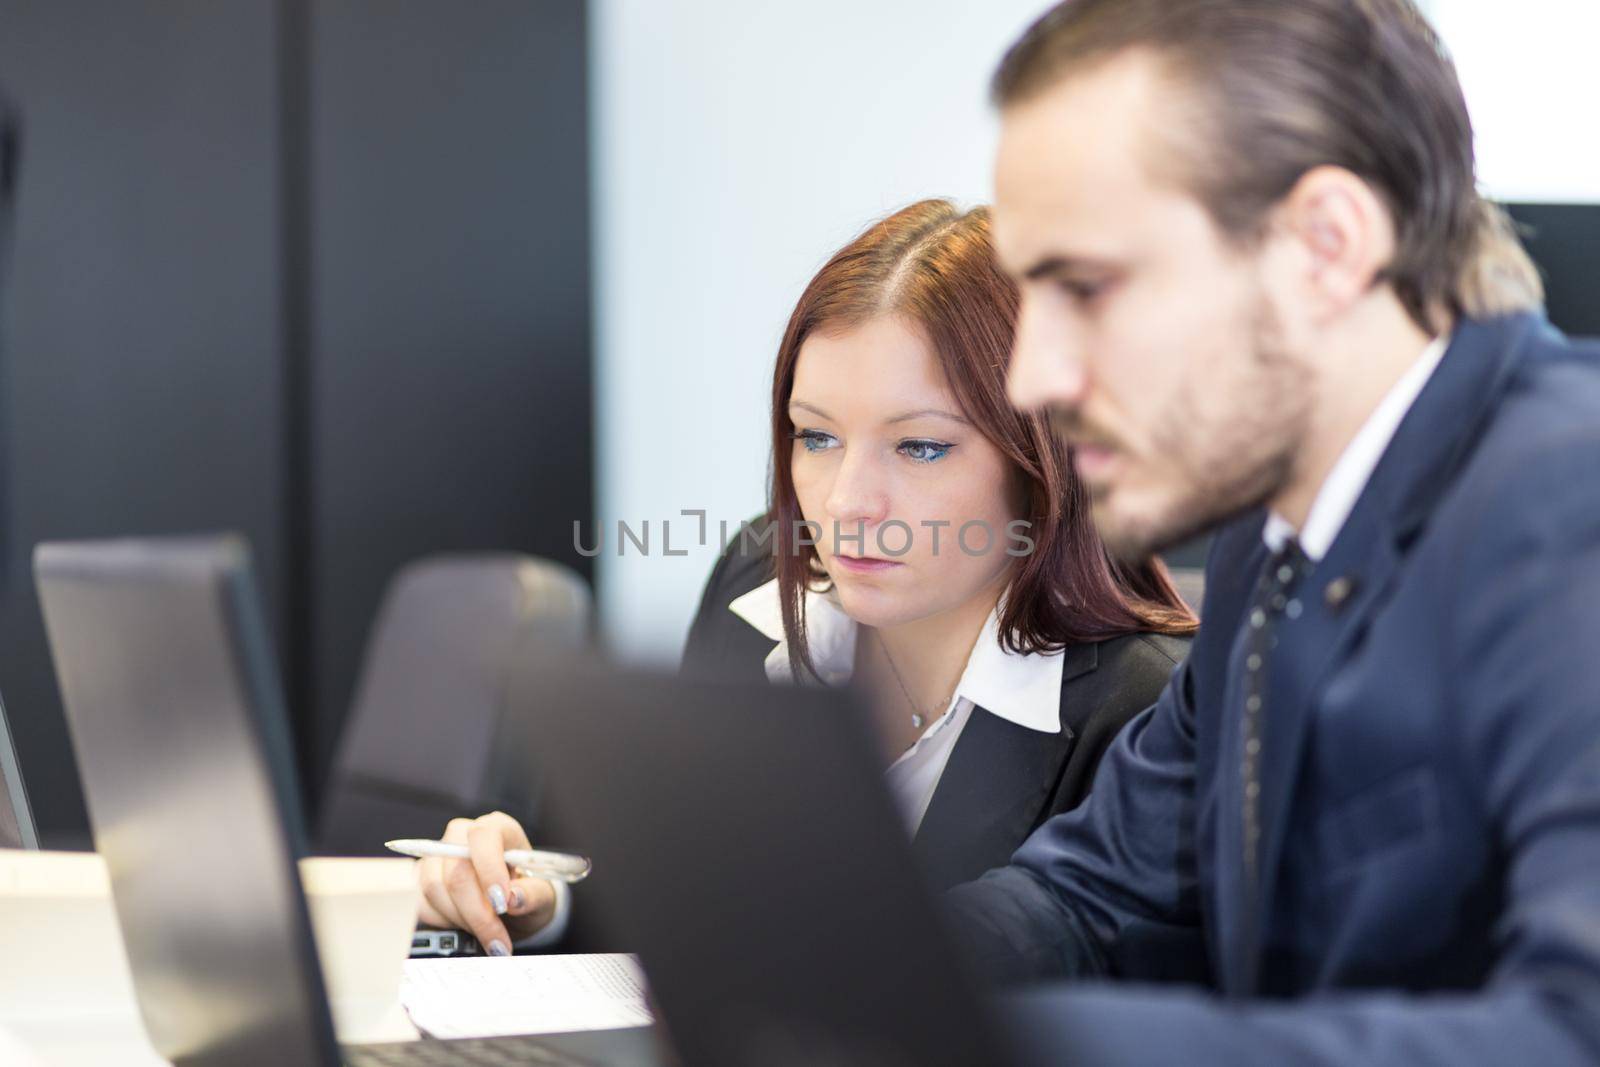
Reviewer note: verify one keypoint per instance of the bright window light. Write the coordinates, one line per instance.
(1528, 70)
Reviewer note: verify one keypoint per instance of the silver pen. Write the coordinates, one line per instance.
(561, 866)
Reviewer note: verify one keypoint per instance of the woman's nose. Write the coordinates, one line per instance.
(858, 495)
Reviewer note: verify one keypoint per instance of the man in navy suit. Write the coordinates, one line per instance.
(1262, 296)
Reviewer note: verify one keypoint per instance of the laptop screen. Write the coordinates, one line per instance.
(16, 822)
(16, 819)
(172, 698)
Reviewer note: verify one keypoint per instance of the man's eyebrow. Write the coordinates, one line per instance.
(1052, 266)
(921, 413)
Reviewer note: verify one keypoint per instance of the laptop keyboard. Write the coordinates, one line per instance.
(473, 1052)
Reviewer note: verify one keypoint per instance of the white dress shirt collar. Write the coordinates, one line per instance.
(1350, 474)
(1022, 688)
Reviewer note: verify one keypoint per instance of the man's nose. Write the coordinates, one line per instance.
(1047, 369)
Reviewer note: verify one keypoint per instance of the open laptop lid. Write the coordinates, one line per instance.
(171, 696)
(10, 164)
(745, 845)
(16, 818)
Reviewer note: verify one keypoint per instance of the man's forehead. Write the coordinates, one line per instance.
(1072, 155)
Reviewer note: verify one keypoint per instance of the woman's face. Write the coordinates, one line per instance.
(883, 455)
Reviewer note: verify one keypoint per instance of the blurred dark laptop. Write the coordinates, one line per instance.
(16, 818)
(746, 847)
(172, 698)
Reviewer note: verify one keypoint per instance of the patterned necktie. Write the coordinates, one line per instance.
(1274, 600)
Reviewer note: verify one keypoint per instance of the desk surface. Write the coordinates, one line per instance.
(80, 1043)
(121, 1043)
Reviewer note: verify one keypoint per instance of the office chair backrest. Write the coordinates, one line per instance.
(418, 747)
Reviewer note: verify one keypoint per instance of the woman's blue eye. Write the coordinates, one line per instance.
(814, 440)
(924, 451)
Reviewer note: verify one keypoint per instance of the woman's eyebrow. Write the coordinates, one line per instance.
(924, 413)
(811, 408)
(907, 416)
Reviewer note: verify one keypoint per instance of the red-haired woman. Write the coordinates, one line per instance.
(1003, 659)
(928, 541)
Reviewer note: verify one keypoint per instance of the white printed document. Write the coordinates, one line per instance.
(489, 996)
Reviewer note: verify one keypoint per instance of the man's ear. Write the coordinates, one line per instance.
(1345, 237)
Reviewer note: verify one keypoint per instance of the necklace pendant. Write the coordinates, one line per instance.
(916, 721)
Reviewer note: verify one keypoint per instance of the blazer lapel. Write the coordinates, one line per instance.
(1349, 583)
(998, 780)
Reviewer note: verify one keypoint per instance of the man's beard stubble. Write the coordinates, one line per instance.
(1227, 465)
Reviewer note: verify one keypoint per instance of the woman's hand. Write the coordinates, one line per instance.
(480, 894)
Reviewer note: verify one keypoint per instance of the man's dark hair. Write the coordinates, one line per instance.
(1279, 87)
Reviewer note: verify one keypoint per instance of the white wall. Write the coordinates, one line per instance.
(1528, 71)
(738, 143)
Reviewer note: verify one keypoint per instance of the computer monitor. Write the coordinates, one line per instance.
(1564, 240)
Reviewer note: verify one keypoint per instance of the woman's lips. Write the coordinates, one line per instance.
(866, 564)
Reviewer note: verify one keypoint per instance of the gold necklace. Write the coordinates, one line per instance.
(916, 715)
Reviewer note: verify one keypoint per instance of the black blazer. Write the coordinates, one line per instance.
(1002, 780)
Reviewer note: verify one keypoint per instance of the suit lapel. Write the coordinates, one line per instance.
(1351, 582)
(998, 780)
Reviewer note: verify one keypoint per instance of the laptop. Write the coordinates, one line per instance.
(177, 720)
(746, 847)
(17, 829)
(16, 820)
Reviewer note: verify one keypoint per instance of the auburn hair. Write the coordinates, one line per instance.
(934, 265)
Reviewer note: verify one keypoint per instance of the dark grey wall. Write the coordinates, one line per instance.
(314, 271)
(450, 344)
(142, 390)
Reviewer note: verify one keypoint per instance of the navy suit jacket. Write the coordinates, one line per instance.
(1430, 804)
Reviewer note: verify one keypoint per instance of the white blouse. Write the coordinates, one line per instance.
(1023, 689)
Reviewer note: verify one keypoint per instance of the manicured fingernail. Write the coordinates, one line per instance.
(497, 897)
(497, 947)
(516, 899)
